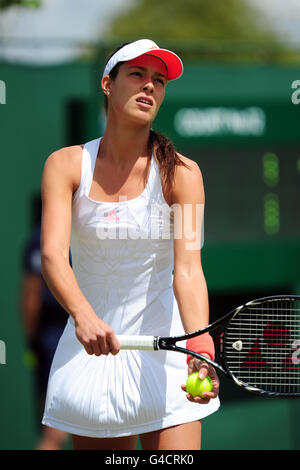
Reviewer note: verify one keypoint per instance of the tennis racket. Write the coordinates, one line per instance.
(259, 345)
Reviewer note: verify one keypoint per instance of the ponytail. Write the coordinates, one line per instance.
(166, 156)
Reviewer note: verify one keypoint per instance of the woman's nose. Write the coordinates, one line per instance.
(148, 85)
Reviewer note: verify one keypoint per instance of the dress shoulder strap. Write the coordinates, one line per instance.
(89, 156)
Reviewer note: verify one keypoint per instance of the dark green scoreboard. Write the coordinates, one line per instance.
(250, 160)
(251, 193)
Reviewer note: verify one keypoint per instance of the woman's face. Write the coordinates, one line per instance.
(138, 90)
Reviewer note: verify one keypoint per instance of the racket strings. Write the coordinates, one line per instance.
(261, 345)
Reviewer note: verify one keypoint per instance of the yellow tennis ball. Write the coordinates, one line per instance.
(196, 386)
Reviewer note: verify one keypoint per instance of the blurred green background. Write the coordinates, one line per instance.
(232, 112)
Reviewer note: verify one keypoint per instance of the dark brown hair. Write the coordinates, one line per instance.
(160, 145)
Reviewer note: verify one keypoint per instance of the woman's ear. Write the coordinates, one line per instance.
(106, 85)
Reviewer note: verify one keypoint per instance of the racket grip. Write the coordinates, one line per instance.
(137, 342)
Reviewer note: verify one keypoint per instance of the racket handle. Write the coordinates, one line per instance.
(137, 342)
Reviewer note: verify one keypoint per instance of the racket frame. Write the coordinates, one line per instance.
(169, 343)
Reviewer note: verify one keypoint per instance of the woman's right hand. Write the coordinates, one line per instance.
(96, 336)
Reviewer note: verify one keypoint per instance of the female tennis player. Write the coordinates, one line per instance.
(113, 201)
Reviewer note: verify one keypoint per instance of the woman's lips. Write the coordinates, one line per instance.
(145, 102)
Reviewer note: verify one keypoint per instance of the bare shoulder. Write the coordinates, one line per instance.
(193, 168)
(65, 163)
(188, 181)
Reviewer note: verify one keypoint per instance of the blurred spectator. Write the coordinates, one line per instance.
(43, 320)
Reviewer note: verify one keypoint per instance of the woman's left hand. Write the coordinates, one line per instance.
(204, 369)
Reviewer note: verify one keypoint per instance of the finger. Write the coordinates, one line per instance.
(215, 390)
(202, 373)
(199, 400)
(203, 370)
(88, 349)
(114, 345)
(209, 395)
(104, 346)
(95, 348)
(203, 401)
(191, 366)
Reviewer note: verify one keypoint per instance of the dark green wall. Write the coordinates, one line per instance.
(32, 126)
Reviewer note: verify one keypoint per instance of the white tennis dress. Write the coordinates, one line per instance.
(122, 256)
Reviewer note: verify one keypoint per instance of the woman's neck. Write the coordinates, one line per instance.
(124, 144)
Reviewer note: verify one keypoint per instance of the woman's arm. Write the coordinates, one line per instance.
(61, 176)
(189, 283)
